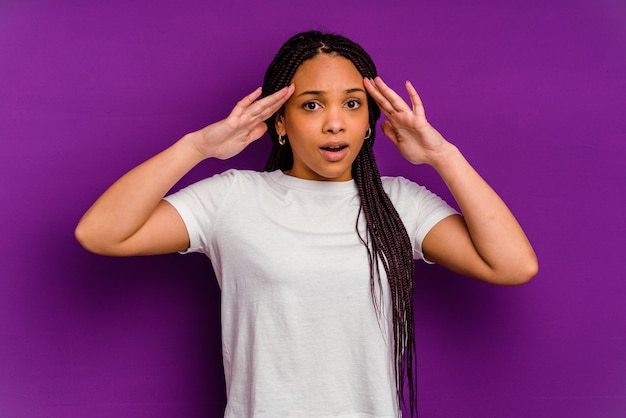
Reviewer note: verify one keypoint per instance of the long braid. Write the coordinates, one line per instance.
(386, 238)
(389, 238)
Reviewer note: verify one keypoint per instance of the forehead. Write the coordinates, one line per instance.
(327, 70)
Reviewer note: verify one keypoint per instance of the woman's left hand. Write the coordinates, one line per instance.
(487, 242)
(407, 127)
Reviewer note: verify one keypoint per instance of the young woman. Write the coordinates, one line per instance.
(314, 256)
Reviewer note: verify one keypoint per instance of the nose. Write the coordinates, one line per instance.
(333, 123)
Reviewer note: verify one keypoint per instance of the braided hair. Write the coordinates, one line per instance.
(386, 238)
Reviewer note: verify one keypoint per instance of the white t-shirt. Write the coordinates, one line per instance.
(300, 334)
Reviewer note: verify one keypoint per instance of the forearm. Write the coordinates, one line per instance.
(495, 233)
(131, 218)
(126, 206)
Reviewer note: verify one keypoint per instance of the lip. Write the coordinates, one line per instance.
(334, 151)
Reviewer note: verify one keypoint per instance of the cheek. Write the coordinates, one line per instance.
(361, 144)
(297, 127)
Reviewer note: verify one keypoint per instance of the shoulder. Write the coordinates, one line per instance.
(218, 187)
(398, 187)
(230, 178)
(406, 194)
(234, 174)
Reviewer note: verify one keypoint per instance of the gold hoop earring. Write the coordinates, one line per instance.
(368, 133)
(281, 140)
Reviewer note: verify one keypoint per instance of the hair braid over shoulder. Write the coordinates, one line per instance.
(386, 238)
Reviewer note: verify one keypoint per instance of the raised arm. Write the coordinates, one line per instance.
(131, 217)
(487, 242)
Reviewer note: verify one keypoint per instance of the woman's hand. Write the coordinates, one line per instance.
(130, 218)
(245, 124)
(407, 127)
(487, 242)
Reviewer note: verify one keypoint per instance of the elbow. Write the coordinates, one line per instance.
(87, 238)
(524, 273)
(530, 270)
(514, 272)
(83, 237)
(522, 278)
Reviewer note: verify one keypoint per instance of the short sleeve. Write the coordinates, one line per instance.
(419, 208)
(199, 206)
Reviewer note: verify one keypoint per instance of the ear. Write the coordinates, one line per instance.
(280, 125)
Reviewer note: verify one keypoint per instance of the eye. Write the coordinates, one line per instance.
(311, 106)
(353, 104)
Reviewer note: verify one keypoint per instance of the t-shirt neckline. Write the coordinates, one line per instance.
(313, 185)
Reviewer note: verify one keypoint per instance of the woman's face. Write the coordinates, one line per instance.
(326, 119)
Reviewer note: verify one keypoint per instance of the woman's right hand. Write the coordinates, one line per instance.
(130, 218)
(245, 124)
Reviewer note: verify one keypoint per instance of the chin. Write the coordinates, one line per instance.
(338, 175)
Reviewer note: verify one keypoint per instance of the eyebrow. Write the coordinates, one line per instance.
(321, 92)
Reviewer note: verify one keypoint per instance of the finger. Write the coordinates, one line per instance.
(267, 106)
(249, 99)
(398, 104)
(244, 103)
(416, 101)
(277, 100)
(257, 131)
(383, 103)
(378, 97)
(389, 131)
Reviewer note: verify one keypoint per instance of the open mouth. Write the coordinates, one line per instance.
(335, 149)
